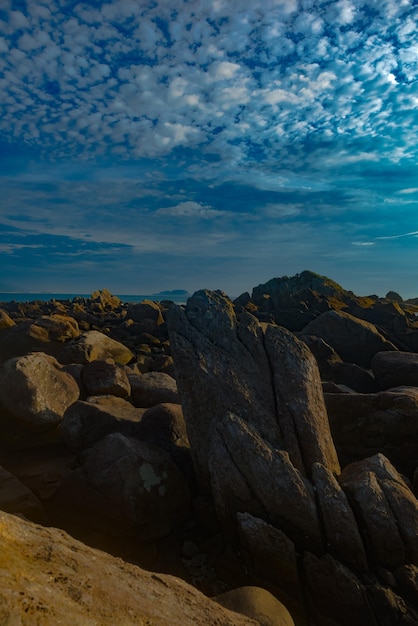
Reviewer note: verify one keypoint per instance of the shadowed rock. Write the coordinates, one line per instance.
(261, 444)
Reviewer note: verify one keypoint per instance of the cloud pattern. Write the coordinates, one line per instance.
(256, 125)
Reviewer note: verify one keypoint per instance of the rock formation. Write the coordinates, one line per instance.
(262, 447)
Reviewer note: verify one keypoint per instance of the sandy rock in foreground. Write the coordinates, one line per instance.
(49, 579)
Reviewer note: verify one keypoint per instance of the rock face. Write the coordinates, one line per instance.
(35, 391)
(215, 350)
(48, 578)
(261, 444)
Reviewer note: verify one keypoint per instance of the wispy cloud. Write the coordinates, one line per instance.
(411, 234)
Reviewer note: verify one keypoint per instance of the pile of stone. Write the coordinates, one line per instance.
(207, 442)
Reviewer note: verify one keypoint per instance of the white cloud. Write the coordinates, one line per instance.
(193, 209)
(110, 72)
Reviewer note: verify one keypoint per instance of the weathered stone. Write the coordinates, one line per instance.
(49, 578)
(355, 340)
(241, 460)
(153, 388)
(300, 403)
(380, 529)
(16, 498)
(258, 604)
(145, 310)
(35, 391)
(395, 369)
(365, 424)
(213, 350)
(105, 377)
(125, 488)
(93, 345)
(402, 501)
(85, 423)
(342, 533)
(46, 334)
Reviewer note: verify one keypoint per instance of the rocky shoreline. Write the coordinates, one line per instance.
(263, 450)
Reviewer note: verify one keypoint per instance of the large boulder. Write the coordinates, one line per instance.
(48, 333)
(365, 424)
(93, 345)
(355, 340)
(35, 391)
(395, 369)
(49, 578)
(105, 377)
(258, 604)
(153, 388)
(232, 373)
(124, 488)
(86, 422)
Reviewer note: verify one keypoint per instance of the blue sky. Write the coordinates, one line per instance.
(164, 144)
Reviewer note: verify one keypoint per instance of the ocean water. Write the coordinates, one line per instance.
(178, 297)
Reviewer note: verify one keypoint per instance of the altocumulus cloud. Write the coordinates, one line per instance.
(257, 124)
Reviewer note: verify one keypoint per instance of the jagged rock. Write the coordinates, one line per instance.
(86, 422)
(153, 388)
(125, 488)
(216, 356)
(241, 465)
(93, 345)
(355, 340)
(289, 291)
(16, 498)
(365, 424)
(387, 509)
(35, 391)
(395, 369)
(105, 377)
(258, 604)
(105, 298)
(46, 334)
(49, 578)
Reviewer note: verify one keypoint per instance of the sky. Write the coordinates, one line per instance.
(188, 144)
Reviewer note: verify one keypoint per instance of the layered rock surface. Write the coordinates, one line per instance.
(48, 578)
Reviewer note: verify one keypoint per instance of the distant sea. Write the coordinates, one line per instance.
(179, 296)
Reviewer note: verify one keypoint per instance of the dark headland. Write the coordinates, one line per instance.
(229, 462)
